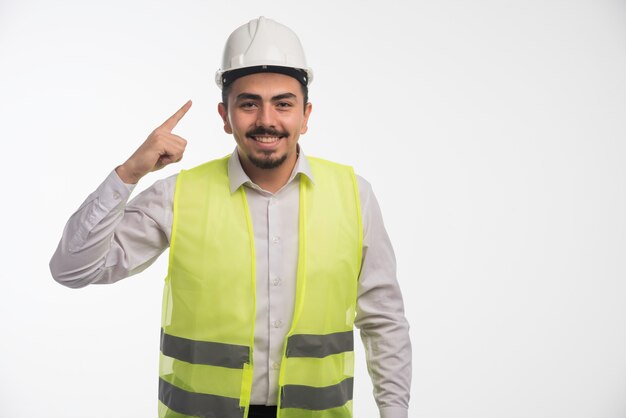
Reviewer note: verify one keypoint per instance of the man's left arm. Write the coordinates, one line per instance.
(380, 314)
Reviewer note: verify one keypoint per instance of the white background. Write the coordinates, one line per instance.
(493, 133)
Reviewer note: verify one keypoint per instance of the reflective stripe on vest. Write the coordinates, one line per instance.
(320, 346)
(316, 399)
(197, 404)
(209, 303)
(205, 352)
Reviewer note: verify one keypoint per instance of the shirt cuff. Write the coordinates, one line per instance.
(112, 193)
(394, 412)
(117, 183)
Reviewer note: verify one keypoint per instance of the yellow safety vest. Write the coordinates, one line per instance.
(209, 300)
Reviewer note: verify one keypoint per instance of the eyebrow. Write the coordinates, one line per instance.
(250, 96)
(283, 96)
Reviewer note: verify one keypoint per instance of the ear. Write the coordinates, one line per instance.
(307, 112)
(221, 109)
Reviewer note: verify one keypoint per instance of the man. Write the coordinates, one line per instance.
(274, 257)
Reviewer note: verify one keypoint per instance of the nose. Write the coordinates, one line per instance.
(265, 117)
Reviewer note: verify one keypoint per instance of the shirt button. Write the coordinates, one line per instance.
(276, 281)
(116, 195)
(275, 239)
(276, 366)
(278, 323)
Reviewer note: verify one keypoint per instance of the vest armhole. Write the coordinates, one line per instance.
(357, 202)
(175, 199)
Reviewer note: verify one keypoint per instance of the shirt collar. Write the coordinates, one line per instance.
(237, 177)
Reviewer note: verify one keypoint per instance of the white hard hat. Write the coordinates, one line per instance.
(263, 45)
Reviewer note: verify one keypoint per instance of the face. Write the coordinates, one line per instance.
(266, 114)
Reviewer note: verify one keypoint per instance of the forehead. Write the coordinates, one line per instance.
(266, 85)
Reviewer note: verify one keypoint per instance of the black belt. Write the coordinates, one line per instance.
(262, 411)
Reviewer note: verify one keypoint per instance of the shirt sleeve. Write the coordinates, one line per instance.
(108, 239)
(380, 314)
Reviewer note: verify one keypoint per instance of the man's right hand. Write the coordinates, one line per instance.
(161, 148)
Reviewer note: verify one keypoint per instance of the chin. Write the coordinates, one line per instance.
(268, 163)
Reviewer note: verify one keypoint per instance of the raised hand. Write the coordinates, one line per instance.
(161, 148)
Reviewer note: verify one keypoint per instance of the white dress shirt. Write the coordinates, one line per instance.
(107, 239)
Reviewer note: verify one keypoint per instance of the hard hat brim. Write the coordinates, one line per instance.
(227, 77)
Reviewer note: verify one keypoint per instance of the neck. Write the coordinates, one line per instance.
(272, 179)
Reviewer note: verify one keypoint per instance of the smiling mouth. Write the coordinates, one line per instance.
(266, 139)
(266, 135)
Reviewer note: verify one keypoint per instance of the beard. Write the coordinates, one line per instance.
(267, 163)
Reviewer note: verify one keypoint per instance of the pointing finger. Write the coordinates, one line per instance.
(171, 123)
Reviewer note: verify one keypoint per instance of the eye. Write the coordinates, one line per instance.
(247, 105)
(284, 105)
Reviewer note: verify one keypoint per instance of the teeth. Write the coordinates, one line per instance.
(266, 139)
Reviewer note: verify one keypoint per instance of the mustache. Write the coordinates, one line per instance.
(262, 131)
